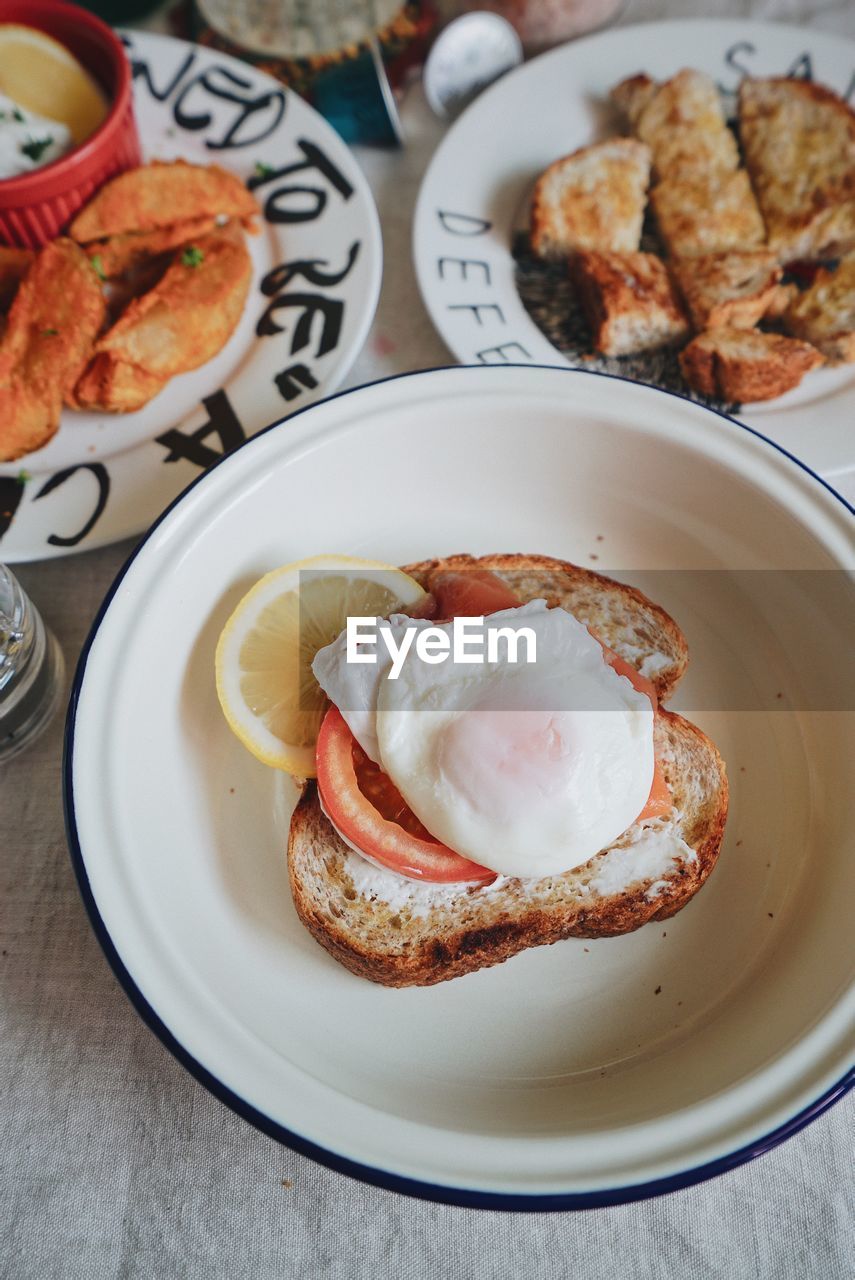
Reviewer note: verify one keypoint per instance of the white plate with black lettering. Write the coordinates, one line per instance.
(317, 266)
(475, 197)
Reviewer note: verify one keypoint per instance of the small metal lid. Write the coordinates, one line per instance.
(467, 56)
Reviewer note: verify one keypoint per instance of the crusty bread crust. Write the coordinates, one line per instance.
(746, 365)
(398, 947)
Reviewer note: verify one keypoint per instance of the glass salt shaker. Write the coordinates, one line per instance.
(32, 669)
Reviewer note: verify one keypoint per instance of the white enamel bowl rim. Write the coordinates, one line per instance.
(289, 441)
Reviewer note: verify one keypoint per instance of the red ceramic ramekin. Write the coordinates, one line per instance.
(36, 206)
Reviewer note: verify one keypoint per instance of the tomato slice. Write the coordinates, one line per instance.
(377, 820)
(464, 593)
(379, 789)
(660, 801)
(623, 668)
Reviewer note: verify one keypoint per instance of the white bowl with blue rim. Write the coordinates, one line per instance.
(589, 1072)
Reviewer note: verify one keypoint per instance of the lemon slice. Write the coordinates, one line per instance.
(44, 77)
(264, 655)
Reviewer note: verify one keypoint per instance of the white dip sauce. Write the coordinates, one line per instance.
(28, 141)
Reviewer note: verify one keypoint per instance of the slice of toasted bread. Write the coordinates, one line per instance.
(629, 301)
(824, 314)
(781, 299)
(799, 144)
(682, 121)
(745, 365)
(592, 199)
(733, 289)
(631, 624)
(401, 933)
(707, 213)
(402, 936)
(632, 95)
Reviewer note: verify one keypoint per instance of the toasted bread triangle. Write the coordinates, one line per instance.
(799, 143)
(593, 198)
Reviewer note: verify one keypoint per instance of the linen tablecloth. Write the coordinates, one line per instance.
(117, 1164)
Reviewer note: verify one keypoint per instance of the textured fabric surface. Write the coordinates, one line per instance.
(117, 1164)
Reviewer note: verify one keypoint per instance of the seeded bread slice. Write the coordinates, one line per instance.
(629, 301)
(382, 931)
(592, 199)
(707, 213)
(681, 120)
(824, 314)
(730, 289)
(397, 933)
(745, 365)
(799, 144)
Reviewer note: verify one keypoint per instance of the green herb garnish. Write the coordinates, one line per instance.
(49, 333)
(192, 256)
(18, 115)
(263, 170)
(34, 148)
(98, 266)
(23, 477)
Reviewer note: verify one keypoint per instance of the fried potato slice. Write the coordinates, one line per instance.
(14, 264)
(115, 386)
(57, 313)
(117, 254)
(178, 325)
(160, 194)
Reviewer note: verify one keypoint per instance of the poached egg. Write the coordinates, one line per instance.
(526, 768)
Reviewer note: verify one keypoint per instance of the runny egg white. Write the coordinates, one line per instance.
(528, 769)
(354, 687)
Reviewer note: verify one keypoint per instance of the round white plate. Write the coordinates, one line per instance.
(316, 278)
(586, 1072)
(476, 192)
